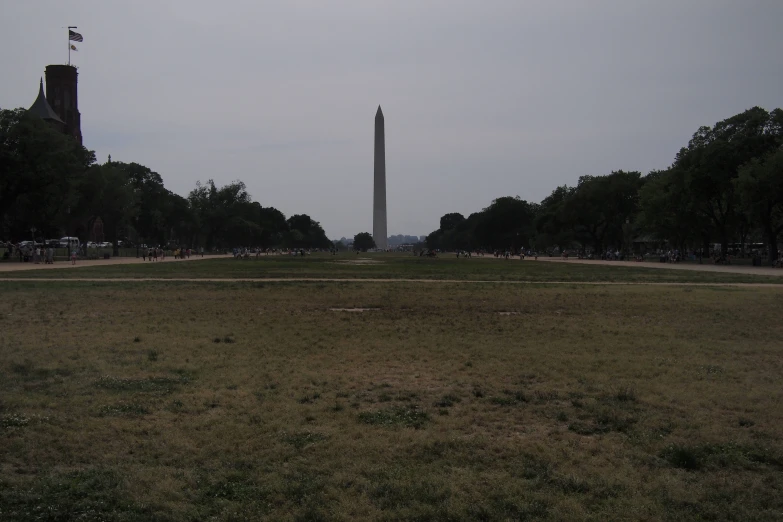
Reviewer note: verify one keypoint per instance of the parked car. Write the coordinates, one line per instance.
(69, 241)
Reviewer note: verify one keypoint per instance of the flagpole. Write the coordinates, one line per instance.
(69, 42)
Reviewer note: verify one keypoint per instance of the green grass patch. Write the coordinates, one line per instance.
(408, 416)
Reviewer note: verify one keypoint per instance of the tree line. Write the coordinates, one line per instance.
(724, 187)
(54, 185)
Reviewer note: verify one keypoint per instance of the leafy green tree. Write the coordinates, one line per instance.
(40, 167)
(551, 227)
(760, 186)
(306, 233)
(713, 158)
(363, 241)
(669, 211)
(451, 221)
(600, 206)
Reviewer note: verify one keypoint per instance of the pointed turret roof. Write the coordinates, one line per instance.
(41, 107)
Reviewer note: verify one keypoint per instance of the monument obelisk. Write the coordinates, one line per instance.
(379, 190)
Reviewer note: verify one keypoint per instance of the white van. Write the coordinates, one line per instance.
(72, 242)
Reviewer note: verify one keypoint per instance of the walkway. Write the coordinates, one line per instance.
(363, 280)
(707, 267)
(14, 266)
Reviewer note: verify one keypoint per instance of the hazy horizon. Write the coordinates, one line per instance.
(481, 100)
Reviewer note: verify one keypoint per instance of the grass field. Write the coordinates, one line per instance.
(396, 266)
(246, 401)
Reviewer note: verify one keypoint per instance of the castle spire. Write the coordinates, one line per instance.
(41, 107)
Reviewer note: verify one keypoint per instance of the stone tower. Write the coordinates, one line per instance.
(379, 191)
(62, 95)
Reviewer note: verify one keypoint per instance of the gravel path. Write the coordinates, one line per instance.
(730, 269)
(363, 280)
(15, 266)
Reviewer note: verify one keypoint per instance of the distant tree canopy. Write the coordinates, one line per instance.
(724, 187)
(363, 241)
(51, 183)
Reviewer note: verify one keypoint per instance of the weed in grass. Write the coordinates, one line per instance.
(711, 369)
(303, 438)
(393, 494)
(544, 396)
(511, 398)
(745, 423)
(342, 395)
(216, 340)
(236, 488)
(603, 423)
(338, 406)
(447, 401)
(684, 456)
(409, 416)
(694, 457)
(137, 339)
(384, 397)
(157, 385)
(23, 369)
(92, 494)
(626, 394)
(152, 355)
(309, 399)
(123, 410)
(228, 339)
(562, 416)
(478, 393)
(16, 420)
(502, 401)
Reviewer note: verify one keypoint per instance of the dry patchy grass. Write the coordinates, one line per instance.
(248, 401)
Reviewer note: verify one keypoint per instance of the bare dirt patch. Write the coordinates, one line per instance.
(360, 262)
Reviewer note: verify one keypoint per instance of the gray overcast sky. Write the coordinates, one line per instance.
(482, 99)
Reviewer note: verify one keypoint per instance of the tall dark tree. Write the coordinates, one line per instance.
(760, 187)
(40, 168)
(713, 158)
(363, 241)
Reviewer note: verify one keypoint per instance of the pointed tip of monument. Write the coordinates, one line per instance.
(380, 112)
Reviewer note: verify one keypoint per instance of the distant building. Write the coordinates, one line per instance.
(60, 105)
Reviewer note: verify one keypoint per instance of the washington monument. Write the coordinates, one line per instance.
(379, 192)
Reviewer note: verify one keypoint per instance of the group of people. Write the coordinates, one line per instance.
(153, 253)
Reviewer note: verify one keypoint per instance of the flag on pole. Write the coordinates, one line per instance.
(74, 36)
(73, 48)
